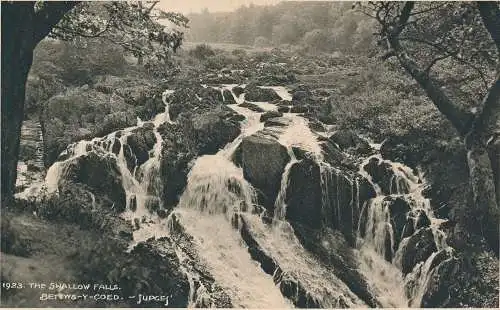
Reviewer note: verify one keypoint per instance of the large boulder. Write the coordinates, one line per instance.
(301, 96)
(384, 176)
(418, 248)
(467, 280)
(165, 278)
(251, 106)
(347, 140)
(141, 141)
(79, 204)
(257, 94)
(263, 161)
(238, 90)
(270, 114)
(100, 173)
(228, 97)
(277, 122)
(303, 194)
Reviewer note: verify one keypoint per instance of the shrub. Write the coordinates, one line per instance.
(202, 51)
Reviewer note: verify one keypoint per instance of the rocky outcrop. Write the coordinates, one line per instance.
(193, 135)
(263, 162)
(277, 122)
(257, 94)
(466, 280)
(270, 114)
(86, 112)
(76, 203)
(418, 248)
(166, 277)
(141, 141)
(101, 174)
(382, 173)
(251, 106)
(348, 141)
(228, 97)
(238, 90)
(304, 195)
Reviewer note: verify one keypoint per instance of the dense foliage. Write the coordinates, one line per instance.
(319, 26)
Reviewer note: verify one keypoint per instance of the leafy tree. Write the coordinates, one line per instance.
(132, 25)
(429, 38)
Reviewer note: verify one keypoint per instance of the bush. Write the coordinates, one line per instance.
(202, 51)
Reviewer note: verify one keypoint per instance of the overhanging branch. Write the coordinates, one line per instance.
(49, 16)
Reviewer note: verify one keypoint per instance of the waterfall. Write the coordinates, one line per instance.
(280, 204)
(218, 202)
(379, 231)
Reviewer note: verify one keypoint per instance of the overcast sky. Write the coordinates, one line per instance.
(193, 6)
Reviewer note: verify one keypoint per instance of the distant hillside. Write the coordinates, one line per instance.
(318, 26)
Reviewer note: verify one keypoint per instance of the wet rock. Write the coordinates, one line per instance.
(467, 280)
(237, 158)
(211, 94)
(228, 97)
(398, 209)
(267, 263)
(140, 142)
(133, 203)
(348, 140)
(101, 173)
(332, 153)
(129, 157)
(284, 109)
(116, 146)
(76, 203)
(364, 192)
(251, 106)
(317, 126)
(212, 130)
(303, 194)
(270, 114)
(277, 122)
(167, 279)
(114, 121)
(257, 94)
(264, 160)
(419, 247)
(383, 174)
(238, 90)
(301, 96)
(299, 152)
(332, 250)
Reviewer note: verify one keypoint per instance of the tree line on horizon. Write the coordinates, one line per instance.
(317, 26)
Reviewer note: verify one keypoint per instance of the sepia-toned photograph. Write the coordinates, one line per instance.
(262, 154)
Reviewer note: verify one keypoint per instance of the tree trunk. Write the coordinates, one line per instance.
(17, 56)
(485, 199)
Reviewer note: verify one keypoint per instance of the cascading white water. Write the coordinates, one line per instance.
(280, 204)
(217, 192)
(379, 233)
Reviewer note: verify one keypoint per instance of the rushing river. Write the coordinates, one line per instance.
(217, 195)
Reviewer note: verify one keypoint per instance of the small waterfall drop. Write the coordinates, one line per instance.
(379, 233)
